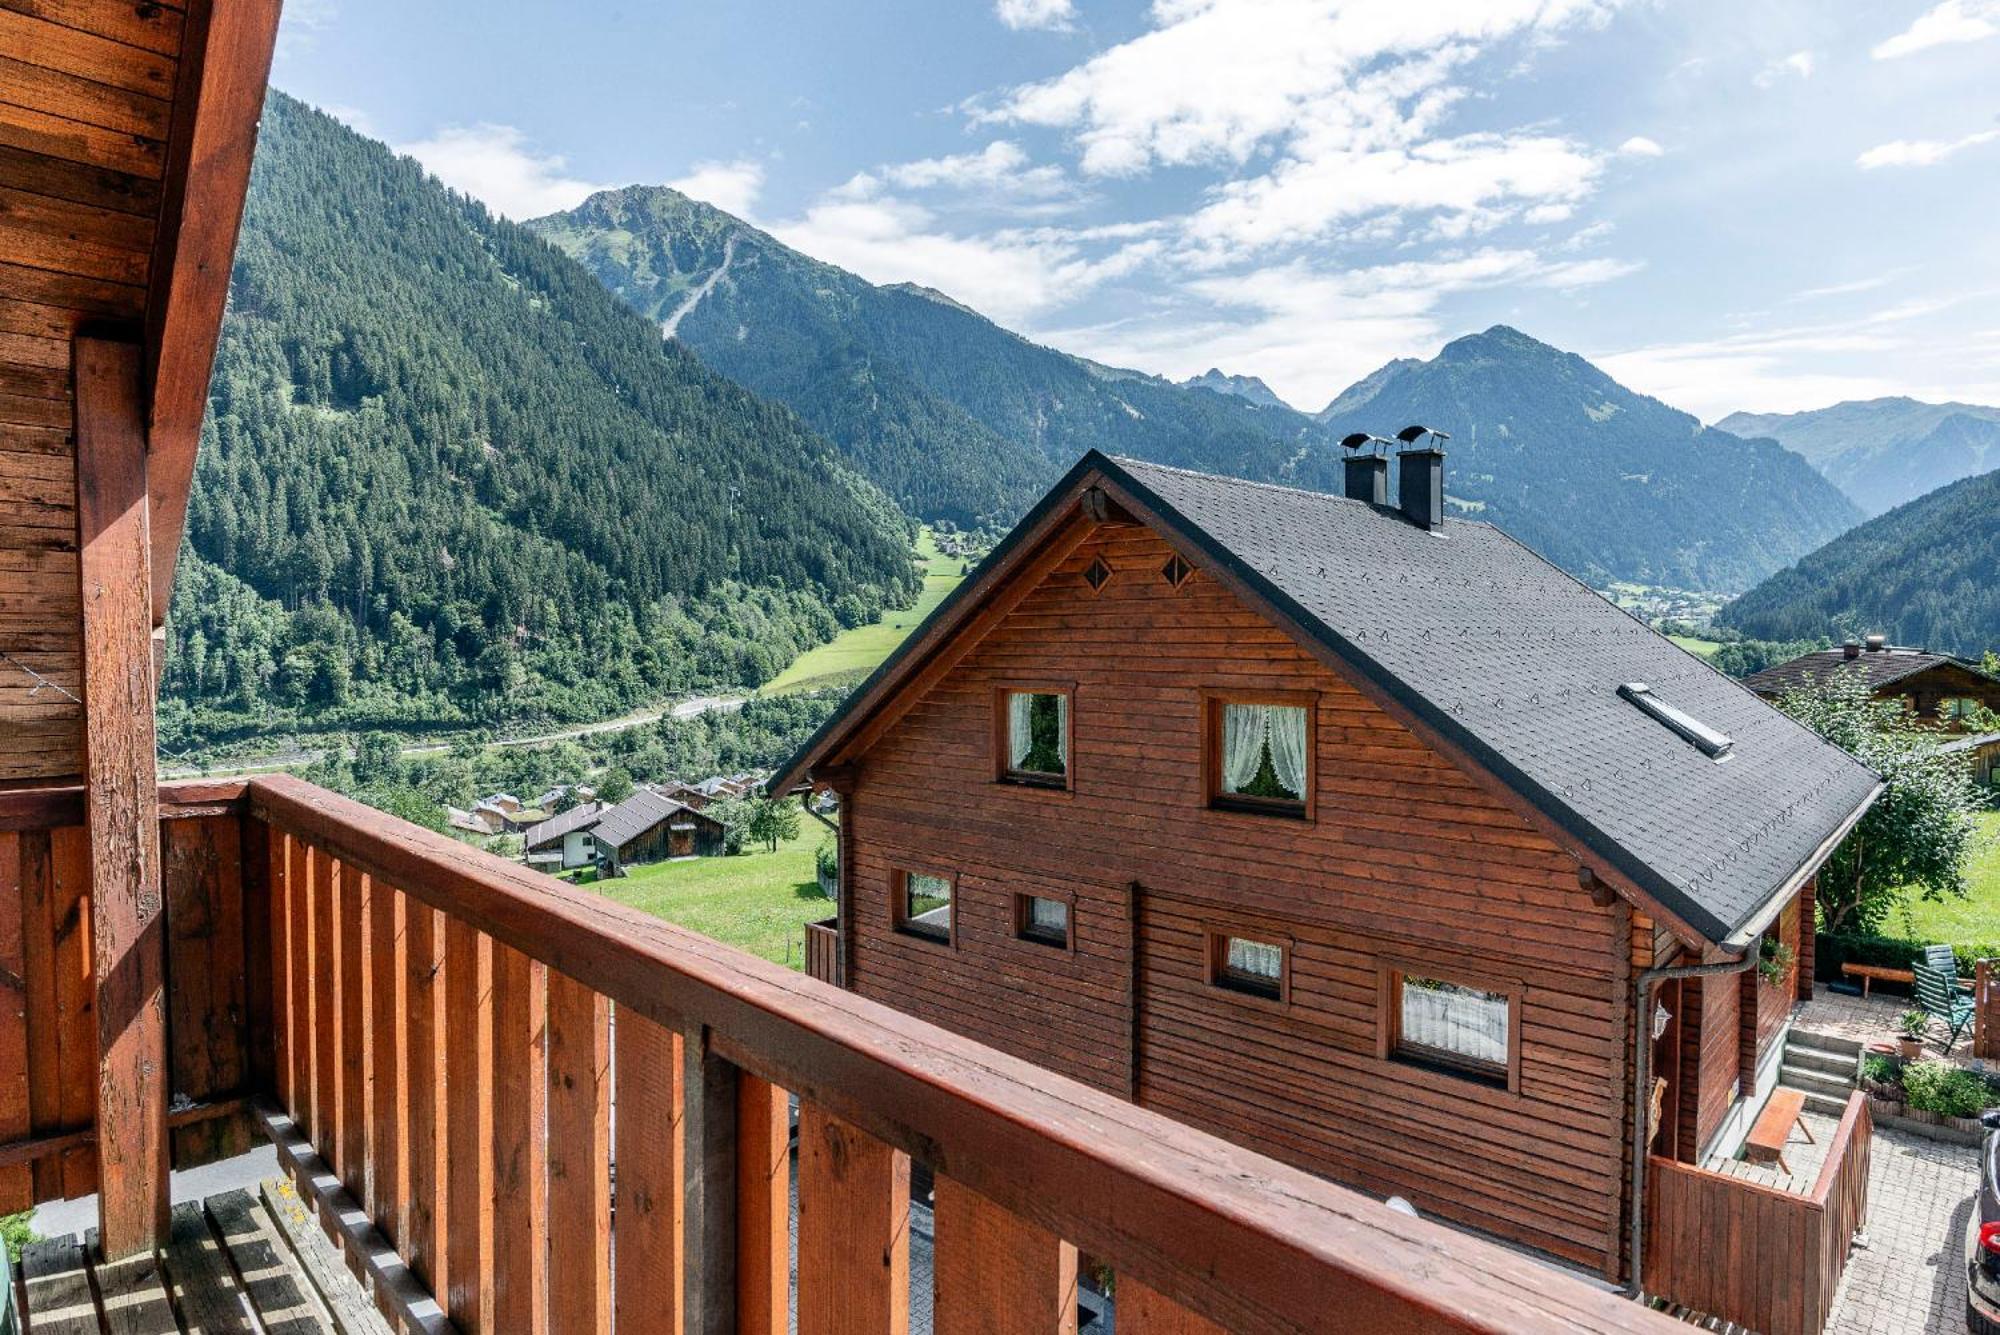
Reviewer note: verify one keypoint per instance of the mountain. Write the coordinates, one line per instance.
(1607, 483)
(446, 477)
(953, 416)
(1883, 452)
(1922, 574)
(1242, 386)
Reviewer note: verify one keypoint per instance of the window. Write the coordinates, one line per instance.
(1956, 708)
(1033, 737)
(1042, 920)
(923, 905)
(1711, 743)
(1464, 1029)
(1260, 755)
(1247, 964)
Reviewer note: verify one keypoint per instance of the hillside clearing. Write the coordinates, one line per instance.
(853, 654)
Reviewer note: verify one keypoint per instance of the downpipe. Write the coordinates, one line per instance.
(1642, 1021)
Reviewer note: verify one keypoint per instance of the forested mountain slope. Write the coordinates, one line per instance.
(1607, 483)
(446, 476)
(949, 413)
(1883, 452)
(1926, 574)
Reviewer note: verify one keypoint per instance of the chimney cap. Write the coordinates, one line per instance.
(1850, 648)
(1876, 643)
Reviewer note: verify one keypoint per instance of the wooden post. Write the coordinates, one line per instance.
(1986, 1009)
(579, 1158)
(708, 1187)
(122, 797)
(763, 1207)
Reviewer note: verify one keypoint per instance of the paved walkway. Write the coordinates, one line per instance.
(1911, 1280)
(1871, 1021)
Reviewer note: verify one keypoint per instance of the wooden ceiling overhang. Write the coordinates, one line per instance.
(127, 129)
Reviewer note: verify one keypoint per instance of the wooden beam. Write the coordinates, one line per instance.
(224, 67)
(708, 1187)
(122, 803)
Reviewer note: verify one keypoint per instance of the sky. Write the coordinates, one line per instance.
(1767, 206)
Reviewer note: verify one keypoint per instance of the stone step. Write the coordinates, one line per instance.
(1814, 1082)
(1840, 1065)
(1825, 1104)
(1826, 1042)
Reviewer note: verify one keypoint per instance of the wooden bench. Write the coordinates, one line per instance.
(1938, 994)
(1773, 1129)
(1876, 973)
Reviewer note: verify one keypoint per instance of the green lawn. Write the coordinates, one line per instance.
(1976, 919)
(756, 901)
(853, 654)
(1705, 648)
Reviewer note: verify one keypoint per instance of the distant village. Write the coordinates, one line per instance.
(570, 827)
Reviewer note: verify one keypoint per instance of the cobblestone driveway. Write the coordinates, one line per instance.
(1911, 1280)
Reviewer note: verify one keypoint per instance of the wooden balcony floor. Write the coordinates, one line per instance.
(239, 1264)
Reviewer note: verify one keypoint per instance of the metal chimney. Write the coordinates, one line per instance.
(1420, 486)
(1368, 478)
(1876, 643)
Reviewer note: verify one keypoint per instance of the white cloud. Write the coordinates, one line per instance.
(1051, 14)
(1921, 152)
(1949, 23)
(1311, 332)
(732, 187)
(1002, 167)
(1639, 146)
(1799, 64)
(494, 164)
(301, 24)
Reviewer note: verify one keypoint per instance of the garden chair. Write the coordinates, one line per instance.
(1938, 995)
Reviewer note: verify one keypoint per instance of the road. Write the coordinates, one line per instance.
(297, 756)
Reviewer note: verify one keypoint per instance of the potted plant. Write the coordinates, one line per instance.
(1774, 960)
(1914, 1025)
(1882, 1082)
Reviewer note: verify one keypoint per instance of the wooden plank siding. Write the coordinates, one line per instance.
(1407, 859)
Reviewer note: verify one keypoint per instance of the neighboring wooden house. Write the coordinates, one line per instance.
(564, 840)
(1355, 834)
(480, 820)
(687, 794)
(651, 827)
(1938, 688)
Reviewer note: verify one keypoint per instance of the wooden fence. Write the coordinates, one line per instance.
(1986, 1010)
(823, 951)
(1766, 1259)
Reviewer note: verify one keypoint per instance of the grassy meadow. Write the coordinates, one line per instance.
(756, 901)
(853, 654)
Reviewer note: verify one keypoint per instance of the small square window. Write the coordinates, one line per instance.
(1034, 737)
(1042, 920)
(1097, 575)
(1176, 571)
(924, 905)
(1260, 756)
(1463, 1028)
(1248, 965)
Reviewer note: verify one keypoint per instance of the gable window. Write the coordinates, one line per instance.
(1260, 755)
(1462, 1028)
(1042, 920)
(1033, 741)
(924, 905)
(1956, 708)
(1251, 965)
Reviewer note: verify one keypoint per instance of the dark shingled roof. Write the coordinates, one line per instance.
(1518, 664)
(639, 813)
(579, 817)
(1879, 668)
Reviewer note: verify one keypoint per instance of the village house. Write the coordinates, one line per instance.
(651, 827)
(563, 841)
(1351, 832)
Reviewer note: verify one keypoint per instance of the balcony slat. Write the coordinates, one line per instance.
(388, 1020)
(75, 988)
(646, 1200)
(996, 1273)
(424, 1105)
(708, 1188)
(579, 1159)
(260, 955)
(468, 1137)
(353, 888)
(1144, 1311)
(17, 1187)
(324, 958)
(301, 1046)
(519, 1175)
(854, 1230)
(763, 1207)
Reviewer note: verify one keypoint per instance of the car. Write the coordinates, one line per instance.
(1982, 1238)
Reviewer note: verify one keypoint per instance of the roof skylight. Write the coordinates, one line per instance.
(1713, 744)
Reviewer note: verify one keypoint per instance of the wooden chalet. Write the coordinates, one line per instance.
(1940, 689)
(1364, 838)
(651, 827)
(563, 840)
(426, 1031)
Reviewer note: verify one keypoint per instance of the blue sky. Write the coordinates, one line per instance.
(1769, 206)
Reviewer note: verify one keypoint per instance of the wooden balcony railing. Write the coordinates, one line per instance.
(823, 951)
(1766, 1259)
(522, 1107)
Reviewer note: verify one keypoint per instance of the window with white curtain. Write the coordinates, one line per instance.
(925, 908)
(1453, 1025)
(1263, 753)
(1043, 920)
(1245, 964)
(1037, 735)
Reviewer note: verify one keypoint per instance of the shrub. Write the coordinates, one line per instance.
(16, 1232)
(1949, 1091)
(1877, 1070)
(1832, 949)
